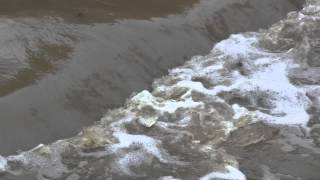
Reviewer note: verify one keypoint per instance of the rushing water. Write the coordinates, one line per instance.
(63, 65)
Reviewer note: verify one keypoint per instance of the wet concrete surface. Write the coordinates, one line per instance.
(63, 66)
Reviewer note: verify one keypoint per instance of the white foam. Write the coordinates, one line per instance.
(168, 178)
(239, 111)
(237, 45)
(170, 106)
(3, 163)
(148, 143)
(130, 159)
(289, 100)
(231, 174)
(269, 74)
(229, 127)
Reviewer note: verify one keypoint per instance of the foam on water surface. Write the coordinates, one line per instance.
(267, 73)
(148, 143)
(3, 163)
(231, 174)
(170, 106)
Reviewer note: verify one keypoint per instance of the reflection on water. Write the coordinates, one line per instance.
(59, 74)
(40, 63)
(93, 11)
(29, 49)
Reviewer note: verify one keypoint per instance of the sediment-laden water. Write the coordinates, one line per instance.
(249, 109)
(63, 64)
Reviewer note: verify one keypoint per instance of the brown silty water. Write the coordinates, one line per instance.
(63, 64)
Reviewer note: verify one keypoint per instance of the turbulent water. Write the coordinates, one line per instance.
(248, 110)
(64, 64)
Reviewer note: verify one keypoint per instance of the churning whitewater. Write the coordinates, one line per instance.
(267, 82)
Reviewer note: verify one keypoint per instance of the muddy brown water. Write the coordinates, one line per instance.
(63, 64)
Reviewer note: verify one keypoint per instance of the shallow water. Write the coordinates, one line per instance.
(63, 65)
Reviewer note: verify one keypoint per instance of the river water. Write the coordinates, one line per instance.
(63, 64)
